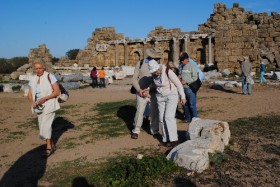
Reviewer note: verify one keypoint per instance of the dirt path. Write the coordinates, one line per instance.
(19, 138)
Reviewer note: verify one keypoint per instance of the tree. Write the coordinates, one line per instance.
(54, 60)
(11, 65)
(72, 54)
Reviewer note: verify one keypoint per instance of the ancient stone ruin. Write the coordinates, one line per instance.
(227, 36)
(41, 53)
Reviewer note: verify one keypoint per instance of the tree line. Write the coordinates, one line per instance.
(8, 66)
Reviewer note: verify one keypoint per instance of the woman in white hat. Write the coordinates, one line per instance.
(167, 85)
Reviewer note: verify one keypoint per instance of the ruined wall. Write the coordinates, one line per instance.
(227, 36)
(43, 54)
(240, 33)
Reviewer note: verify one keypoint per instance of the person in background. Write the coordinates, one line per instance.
(167, 85)
(200, 73)
(141, 81)
(246, 68)
(188, 75)
(93, 76)
(42, 95)
(262, 72)
(101, 74)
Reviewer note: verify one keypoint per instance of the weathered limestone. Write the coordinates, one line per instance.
(206, 136)
(223, 40)
(43, 54)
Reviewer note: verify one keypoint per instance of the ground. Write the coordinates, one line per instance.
(20, 143)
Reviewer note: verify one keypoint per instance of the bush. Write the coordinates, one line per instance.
(140, 172)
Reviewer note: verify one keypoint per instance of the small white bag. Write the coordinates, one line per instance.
(249, 80)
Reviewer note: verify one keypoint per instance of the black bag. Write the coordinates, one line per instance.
(64, 94)
(133, 90)
(194, 86)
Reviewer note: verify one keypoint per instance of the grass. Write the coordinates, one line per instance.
(106, 123)
(66, 109)
(126, 171)
(30, 123)
(227, 169)
(68, 143)
(257, 136)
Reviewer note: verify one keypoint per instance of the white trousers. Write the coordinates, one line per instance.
(167, 106)
(45, 125)
(141, 104)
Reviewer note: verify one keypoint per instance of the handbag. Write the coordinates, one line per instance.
(133, 90)
(249, 80)
(64, 94)
(194, 86)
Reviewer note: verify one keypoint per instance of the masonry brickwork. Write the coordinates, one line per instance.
(223, 40)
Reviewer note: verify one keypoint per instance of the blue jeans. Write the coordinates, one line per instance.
(246, 86)
(102, 83)
(262, 79)
(190, 106)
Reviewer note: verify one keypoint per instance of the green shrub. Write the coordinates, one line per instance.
(139, 172)
(217, 158)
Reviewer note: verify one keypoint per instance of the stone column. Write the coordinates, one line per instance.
(186, 40)
(116, 53)
(125, 54)
(210, 49)
(175, 51)
(144, 50)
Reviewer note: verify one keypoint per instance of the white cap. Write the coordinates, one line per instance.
(153, 66)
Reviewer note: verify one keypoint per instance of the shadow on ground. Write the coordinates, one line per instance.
(30, 167)
(127, 113)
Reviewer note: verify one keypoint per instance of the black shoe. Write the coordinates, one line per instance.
(165, 144)
(174, 144)
(134, 136)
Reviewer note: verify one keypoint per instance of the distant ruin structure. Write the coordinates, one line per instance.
(227, 36)
(41, 52)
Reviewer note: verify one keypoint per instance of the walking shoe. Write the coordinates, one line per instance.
(165, 144)
(134, 136)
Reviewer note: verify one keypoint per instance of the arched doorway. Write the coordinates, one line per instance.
(135, 57)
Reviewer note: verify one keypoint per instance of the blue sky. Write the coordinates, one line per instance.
(67, 24)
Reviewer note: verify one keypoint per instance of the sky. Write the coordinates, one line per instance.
(67, 24)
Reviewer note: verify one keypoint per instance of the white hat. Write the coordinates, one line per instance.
(153, 66)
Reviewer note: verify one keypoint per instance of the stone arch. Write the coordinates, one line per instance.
(135, 55)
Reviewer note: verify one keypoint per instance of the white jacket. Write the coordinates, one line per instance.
(50, 105)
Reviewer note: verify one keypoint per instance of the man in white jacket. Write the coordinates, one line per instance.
(141, 81)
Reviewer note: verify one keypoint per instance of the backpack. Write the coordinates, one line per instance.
(64, 94)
